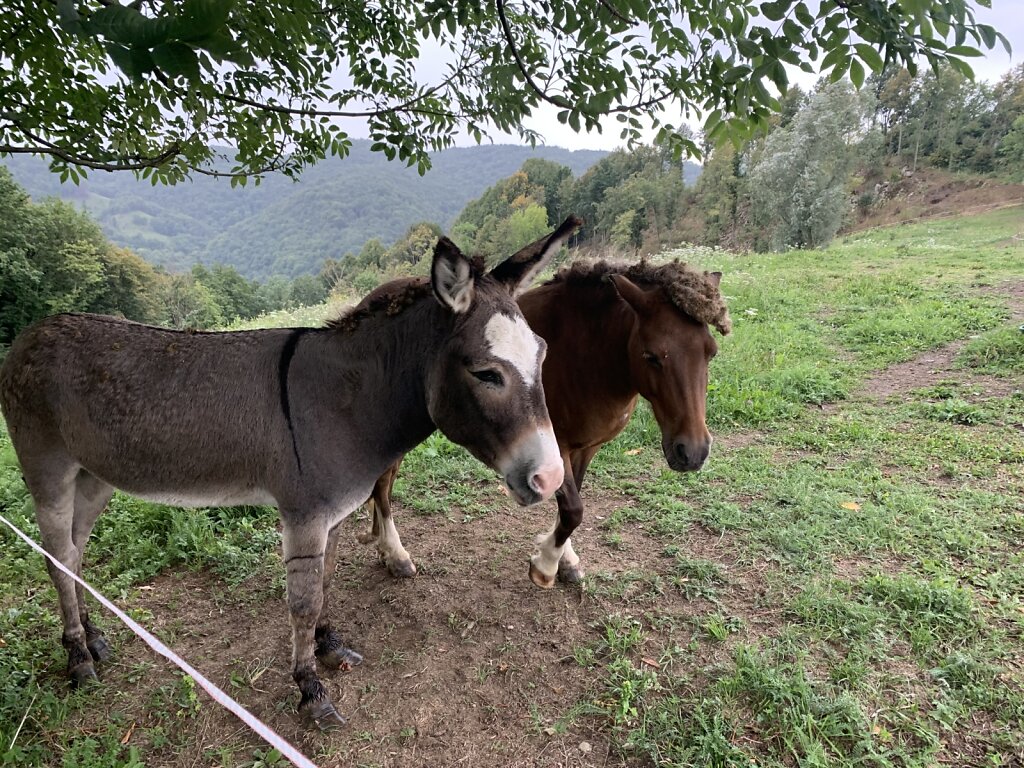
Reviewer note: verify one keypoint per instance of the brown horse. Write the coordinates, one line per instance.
(305, 419)
(614, 332)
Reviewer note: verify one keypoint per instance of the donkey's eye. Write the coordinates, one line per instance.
(490, 376)
(652, 358)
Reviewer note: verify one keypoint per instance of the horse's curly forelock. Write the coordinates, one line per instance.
(693, 292)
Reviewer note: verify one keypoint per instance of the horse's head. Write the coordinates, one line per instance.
(669, 352)
(484, 388)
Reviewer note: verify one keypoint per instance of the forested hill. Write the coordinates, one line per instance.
(284, 227)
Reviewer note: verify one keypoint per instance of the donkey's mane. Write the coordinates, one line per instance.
(390, 299)
(693, 292)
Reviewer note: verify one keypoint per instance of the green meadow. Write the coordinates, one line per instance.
(842, 585)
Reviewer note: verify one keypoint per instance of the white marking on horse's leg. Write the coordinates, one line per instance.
(546, 559)
(512, 340)
(390, 547)
(569, 556)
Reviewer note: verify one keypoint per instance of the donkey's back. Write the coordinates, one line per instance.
(174, 416)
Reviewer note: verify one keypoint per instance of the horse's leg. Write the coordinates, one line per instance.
(383, 531)
(580, 461)
(91, 498)
(389, 545)
(544, 564)
(329, 648)
(569, 570)
(51, 480)
(304, 548)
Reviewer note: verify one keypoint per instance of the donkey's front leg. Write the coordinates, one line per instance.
(304, 548)
(329, 648)
(555, 547)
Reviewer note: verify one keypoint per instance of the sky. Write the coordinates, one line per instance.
(1007, 16)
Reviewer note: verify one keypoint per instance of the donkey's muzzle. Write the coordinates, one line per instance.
(546, 480)
(533, 469)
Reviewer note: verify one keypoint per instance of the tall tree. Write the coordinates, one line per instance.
(156, 85)
(798, 186)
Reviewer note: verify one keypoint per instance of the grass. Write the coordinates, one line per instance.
(861, 600)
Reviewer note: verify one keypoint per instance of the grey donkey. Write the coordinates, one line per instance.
(305, 419)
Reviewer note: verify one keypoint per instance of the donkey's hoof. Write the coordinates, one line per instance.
(366, 538)
(322, 714)
(333, 654)
(540, 579)
(99, 648)
(570, 574)
(338, 658)
(402, 569)
(83, 674)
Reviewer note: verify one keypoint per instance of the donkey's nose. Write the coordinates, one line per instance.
(547, 479)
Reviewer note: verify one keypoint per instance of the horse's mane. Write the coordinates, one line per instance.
(693, 292)
(389, 299)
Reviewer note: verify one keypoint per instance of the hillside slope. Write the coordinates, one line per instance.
(283, 227)
(927, 193)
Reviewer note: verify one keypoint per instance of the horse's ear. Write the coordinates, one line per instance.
(517, 272)
(452, 277)
(715, 278)
(630, 292)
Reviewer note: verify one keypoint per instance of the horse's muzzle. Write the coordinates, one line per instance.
(686, 455)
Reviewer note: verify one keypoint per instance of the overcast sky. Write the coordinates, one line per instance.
(1007, 16)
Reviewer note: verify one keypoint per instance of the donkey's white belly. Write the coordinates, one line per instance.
(229, 497)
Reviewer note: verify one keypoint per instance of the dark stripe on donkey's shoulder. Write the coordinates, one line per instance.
(283, 366)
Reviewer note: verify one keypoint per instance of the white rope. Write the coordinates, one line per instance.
(258, 727)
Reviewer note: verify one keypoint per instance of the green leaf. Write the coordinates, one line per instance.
(856, 73)
(125, 25)
(803, 15)
(963, 50)
(962, 67)
(775, 10)
(988, 35)
(748, 47)
(870, 56)
(201, 19)
(222, 48)
(134, 62)
(735, 74)
(793, 31)
(177, 60)
(70, 21)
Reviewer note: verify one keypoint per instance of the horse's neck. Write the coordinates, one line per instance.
(599, 346)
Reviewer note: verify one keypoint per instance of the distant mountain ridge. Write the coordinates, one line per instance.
(283, 227)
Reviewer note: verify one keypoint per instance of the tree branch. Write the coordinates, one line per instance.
(541, 93)
(45, 147)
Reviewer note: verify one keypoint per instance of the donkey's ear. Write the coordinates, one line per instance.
(517, 272)
(630, 292)
(452, 277)
(715, 278)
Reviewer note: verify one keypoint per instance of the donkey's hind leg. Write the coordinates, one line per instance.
(330, 650)
(91, 497)
(51, 481)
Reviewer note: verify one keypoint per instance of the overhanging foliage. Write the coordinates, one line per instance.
(156, 86)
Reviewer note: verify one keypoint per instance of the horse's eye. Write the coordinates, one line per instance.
(490, 376)
(653, 359)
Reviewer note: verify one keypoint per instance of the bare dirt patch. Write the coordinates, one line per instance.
(467, 664)
(938, 365)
